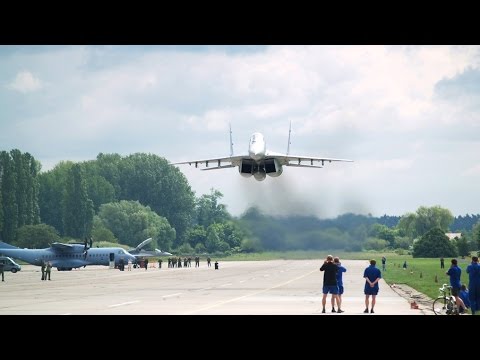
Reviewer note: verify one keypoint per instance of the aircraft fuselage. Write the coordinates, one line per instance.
(72, 258)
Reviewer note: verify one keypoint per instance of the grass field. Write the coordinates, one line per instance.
(420, 274)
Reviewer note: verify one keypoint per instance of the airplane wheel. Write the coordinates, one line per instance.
(14, 271)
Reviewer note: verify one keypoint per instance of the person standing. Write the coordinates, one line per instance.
(129, 267)
(2, 266)
(442, 263)
(159, 263)
(48, 270)
(384, 261)
(473, 271)
(43, 270)
(208, 261)
(146, 263)
(372, 276)
(329, 281)
(340, 272)
(455, 273)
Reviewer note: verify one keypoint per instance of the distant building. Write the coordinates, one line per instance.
(452, 236)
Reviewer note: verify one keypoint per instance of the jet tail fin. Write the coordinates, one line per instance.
(231, 142)
(289, 132)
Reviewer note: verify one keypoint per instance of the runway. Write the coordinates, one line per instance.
(277, 287)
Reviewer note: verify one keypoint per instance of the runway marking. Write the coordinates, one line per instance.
(165, 296)
(125, 303)
(245, 296)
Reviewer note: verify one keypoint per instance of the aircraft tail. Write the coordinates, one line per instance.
(7, 246)
(231, 142)
(289, 132)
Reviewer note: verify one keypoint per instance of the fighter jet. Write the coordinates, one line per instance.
(261, 162)
(139, 252)
(68, 256)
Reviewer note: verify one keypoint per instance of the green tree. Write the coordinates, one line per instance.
(476, 234)
(101, 233)
(375, 244)
(185, 249)
(36, 236)
(196, 235)
(406, 225)
(152, 181)
(213, 241)
(402, 242)
(131, 223)
(383, 232)
(33, 168)
(9, 201)
(77, 207)
(209, 211)
(250, 245)
(200, 248)
(52, 188)
(463, 246)
(431, 217)
(434, 244)
(425, 219)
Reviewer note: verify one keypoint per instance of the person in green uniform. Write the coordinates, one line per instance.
(48, 270)
(43, 270)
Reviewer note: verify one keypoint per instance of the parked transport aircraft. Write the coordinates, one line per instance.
(68, 256)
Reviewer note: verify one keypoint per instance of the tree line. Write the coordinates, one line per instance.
(125, 200)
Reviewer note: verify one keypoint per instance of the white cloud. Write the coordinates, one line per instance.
(25, 82)
(373, 104)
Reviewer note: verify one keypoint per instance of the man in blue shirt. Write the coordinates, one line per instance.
(473, 271)
(455, 272)
(340, 272)
(372, 276)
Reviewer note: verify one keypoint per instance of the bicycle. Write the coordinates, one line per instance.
(445, 304)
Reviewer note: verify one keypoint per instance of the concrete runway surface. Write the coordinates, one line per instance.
(276, 287)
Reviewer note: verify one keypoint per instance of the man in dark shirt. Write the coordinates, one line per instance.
(329, 280)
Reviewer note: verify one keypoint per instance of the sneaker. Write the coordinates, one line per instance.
(365, 311)
(340, 311)
(323, 311)
(333, 310)
(371, 311)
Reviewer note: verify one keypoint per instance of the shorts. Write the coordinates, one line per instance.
(332, 289)
(455, 291)
(371, 290)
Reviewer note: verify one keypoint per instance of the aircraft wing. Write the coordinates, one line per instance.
(162, 253)
(62, 246)
(298, 160)
(216, 163)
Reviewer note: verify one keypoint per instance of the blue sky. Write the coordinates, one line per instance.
(408, 115)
